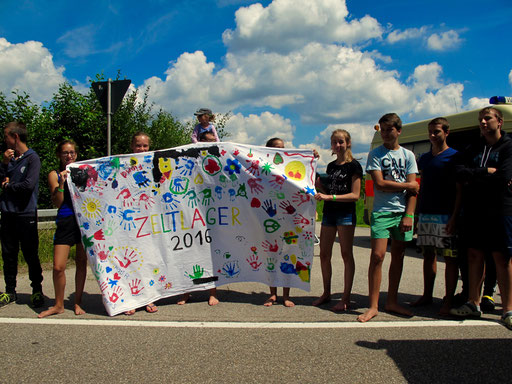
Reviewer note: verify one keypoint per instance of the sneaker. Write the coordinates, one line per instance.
(37, 299)
(466, 310)
(506, 319)
(7, 298)
(487, 304)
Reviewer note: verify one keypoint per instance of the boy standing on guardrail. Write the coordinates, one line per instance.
(19, 176)
(393, 170)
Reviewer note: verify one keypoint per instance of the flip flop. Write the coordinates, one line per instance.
(151, 308)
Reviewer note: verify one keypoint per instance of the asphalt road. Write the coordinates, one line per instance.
(241, 341)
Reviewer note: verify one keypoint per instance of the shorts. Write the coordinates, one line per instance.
(507, 223)
(485, 233)
(67, 232)
(432, 235)
(335, 219)
(386, 224)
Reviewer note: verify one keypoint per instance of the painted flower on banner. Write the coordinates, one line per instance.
(233, 166)
(212, 165)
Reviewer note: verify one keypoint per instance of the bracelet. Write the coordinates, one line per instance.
(60, 190)
(333, 197)
(411, 216)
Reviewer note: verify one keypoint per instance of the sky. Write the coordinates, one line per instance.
(296, 69)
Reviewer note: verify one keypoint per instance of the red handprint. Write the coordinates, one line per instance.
(299, 219)
(278, 181)
(127, 197)
(286, 205)
(128, 259)
(116, 294)
(269, 247)
(255, 187)
(301, 198)
(254, 169)
(134, 287)
(253, 262)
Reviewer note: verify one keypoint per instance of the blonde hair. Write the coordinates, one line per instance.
(348, 154)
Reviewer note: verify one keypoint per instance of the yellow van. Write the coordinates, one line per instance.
(464, 129)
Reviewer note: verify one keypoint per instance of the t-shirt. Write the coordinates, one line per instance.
(438, 187)
(395, 165)
(339, 182)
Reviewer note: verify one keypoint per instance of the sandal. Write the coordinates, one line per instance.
(466, 310)
(151, 308)
(506, 319)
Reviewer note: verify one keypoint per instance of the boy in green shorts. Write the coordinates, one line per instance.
(393, 170)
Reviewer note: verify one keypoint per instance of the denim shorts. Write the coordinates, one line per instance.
(335, 219)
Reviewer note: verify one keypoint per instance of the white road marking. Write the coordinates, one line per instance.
(242, 325)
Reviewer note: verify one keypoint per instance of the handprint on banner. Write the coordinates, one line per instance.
(197, 272)
(127, 259)
(276, 195)
(254, 169)
(140, 179)
(301, 197)
(110, 227)
(192, 198)
(230, 269)
(127, 221)
(278, 181)
(255, 186)
(170, 201)
(269, 247)
(287, 207)
(103, 286)
(301, 220)
(115, 294)
(223, 180)
(186, 169)
(102, 252)
(179, 185)
(232, 194)
(126, 195)
(98, 271)
(218, 192)
(267, 207)
(135, 288)
(254, 262)
(207, 196)
(270, 265)
(146, 201)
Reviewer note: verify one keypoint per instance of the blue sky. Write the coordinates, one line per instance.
(291, 68)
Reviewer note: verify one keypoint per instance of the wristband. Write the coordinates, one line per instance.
(407, 215)
(333, 197)
(60, 190)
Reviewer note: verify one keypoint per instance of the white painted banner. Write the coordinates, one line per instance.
(158, 224)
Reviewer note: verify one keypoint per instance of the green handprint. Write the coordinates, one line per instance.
(98, 271)
(198, 272)
(271, 264)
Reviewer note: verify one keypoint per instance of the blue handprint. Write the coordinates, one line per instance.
(267, 207)
(127, 219)
(218, 192)
(232, 194)
(230, 269)
(186, 170)
(170, 200)
(179, 185)
(140, 179)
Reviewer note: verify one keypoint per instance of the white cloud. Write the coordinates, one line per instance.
(408, 34)
(28, 67)
(477, 103)
(286, 25)
(444, 41)
(510, 77)
(257, 129)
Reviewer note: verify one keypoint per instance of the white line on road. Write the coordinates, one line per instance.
(241, 325)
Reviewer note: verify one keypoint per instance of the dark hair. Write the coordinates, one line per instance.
(61, 144)
(18, 128)
(271, 142)
(137, 134)
(497, 113)
(202, 137)
(440, 120)
(393, 119)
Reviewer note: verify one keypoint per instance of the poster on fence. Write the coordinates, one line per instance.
(162, 223)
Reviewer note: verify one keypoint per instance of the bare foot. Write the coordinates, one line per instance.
(395, 308)
(51, 311)
(79, 311)
(151, 308)
(340, 307)
(322, 300)
(130, 312)
(270, 301)
(368, 315)
(184, 299)
(288, 303)
(422, 301)
(213, 301)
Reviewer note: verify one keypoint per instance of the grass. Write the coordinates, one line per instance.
(45, 249)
